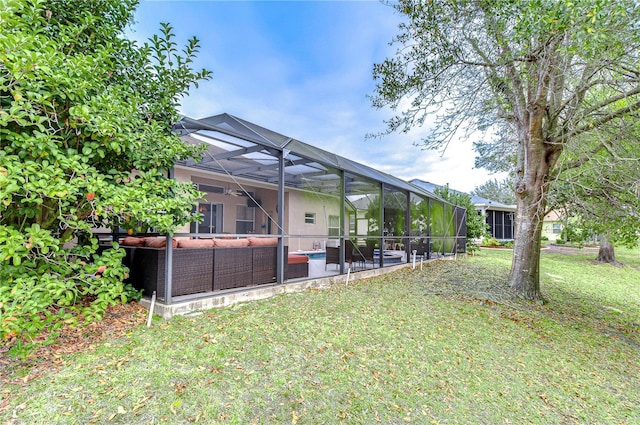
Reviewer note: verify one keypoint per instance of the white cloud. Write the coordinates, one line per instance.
(307, 79)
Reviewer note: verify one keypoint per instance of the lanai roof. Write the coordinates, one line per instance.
(240, 148)
(478, 201)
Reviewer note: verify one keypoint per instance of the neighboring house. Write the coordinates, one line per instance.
(498, 216)
(552, 226)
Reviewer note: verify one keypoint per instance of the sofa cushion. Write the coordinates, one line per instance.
(132, 241)
(158, 242)
(195, 243)
(263, 241)
(230, 243)
(297, 259)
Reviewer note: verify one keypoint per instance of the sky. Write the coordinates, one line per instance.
(304, 69)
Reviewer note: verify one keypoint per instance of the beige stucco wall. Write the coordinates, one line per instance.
(267, 197)
(302, 202)
(297, 203)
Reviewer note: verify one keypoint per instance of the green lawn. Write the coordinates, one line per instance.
(443, 345)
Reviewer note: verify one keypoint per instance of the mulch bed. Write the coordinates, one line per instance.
(569, 250)
(117, 321)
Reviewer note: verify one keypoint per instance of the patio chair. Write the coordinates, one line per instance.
(421, 247)
(363, 254)
(333, 254)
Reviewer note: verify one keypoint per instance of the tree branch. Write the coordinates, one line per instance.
(599, 122)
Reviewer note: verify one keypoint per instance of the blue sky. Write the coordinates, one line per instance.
(304, 69)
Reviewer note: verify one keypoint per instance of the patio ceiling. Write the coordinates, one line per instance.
(239, 148)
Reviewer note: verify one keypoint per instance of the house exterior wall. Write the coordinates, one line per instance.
(552, 229)
(297, 204)
(267, 198)
(552, 226)
(321, 206)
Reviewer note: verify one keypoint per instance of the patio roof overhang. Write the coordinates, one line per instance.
(239, 148)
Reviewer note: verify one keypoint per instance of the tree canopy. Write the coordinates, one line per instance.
(602, 196)
(475, 223)
(531, 76)
(499, 191)
(85, 142)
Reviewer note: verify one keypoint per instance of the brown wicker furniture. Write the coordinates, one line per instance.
(221, 265)
(232, 267)
(265, 263)
(297, 266)
(364, 254)
(192, 270)
(333, 254)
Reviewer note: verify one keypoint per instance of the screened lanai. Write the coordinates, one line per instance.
(340, 215)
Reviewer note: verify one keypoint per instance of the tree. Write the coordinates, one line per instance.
(499, 191)
(533, 75)
(81, 107)
(476, 225)
(602, 197)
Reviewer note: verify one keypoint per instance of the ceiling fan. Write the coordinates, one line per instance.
(231, 192)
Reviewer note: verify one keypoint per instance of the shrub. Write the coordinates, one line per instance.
(472, 247)
(490, 242)
(81, 107)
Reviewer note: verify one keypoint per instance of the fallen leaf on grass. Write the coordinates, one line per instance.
(175, 404)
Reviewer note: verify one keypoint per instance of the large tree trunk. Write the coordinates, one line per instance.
(606, 253)
(536, 158)
(525, 267)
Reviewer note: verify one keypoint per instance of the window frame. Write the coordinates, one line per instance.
(309, 218)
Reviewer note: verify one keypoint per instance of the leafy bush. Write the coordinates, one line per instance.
(36, 294)
(490, 242)
(472, 246)
(560, 241)
(81, 108)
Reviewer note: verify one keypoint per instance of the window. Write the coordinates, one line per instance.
(209, 188)
(310, 218)
(557, 228)
(244, 219)
(334, 225)
(211, 219)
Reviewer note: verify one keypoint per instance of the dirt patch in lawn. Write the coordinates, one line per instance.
(570, 250)
(117, 321)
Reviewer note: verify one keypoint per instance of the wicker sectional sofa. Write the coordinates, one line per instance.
(205, 265)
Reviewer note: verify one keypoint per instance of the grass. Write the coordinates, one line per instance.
(431, 346)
